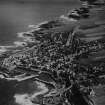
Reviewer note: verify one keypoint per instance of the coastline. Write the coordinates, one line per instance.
(68, 50)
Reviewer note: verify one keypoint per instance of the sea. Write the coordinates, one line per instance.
(17, 17)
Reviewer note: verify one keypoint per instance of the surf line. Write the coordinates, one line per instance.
(26, 99)
(43, 89)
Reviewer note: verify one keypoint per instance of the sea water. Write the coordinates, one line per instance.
(15, 17)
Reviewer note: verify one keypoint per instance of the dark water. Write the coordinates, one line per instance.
(24, 93)
(15, 17)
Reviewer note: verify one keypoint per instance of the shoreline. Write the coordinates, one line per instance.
(68, 51)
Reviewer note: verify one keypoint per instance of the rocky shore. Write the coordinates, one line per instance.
(66, 56)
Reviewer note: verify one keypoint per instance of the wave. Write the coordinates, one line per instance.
(27, 37)
(20, 43)
(5, 48)
(2, 50)
(28, 99)
(38, 25)
(25, 34)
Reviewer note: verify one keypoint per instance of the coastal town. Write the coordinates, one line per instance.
(68, 55)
